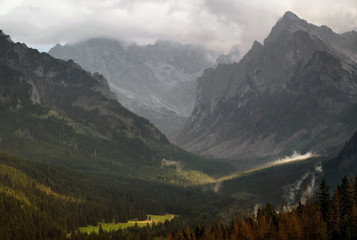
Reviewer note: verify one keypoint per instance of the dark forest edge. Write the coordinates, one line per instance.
(326, 218)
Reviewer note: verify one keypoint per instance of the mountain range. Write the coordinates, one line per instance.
(156, 81)
(72, 155)
(295, 92)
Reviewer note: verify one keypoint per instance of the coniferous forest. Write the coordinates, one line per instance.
(328, 217)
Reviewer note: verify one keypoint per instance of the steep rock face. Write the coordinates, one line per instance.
(295, 92)
(155, 81)
(30, 77)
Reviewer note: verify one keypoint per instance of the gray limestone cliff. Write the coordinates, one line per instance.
(295, 92)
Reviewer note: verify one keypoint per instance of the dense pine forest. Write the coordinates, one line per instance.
(38, 202)
(61, 200)
(328, 217)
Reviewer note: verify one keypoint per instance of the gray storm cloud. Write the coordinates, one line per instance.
(214, 24)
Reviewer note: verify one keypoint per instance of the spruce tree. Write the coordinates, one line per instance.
(324, 199)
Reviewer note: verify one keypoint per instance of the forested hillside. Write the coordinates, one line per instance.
(328, 217)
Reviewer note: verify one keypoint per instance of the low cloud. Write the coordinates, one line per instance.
(294, 157)
(215, 24)
(304, 188)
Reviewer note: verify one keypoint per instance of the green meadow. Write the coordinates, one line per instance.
(114, 226)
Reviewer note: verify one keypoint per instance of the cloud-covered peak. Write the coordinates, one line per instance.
(214, 24)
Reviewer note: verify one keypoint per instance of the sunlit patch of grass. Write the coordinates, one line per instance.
(115, 226)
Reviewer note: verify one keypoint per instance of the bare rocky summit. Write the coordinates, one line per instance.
(295, 92)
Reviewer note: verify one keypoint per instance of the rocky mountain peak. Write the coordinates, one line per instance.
(287, 94)
(5, 41)
(58, 45)
(256, 46)
(289, 22)
(290, 16)
(3, 35)
(290, 19)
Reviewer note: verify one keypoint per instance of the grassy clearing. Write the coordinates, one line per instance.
(160, 218)
(114, 226)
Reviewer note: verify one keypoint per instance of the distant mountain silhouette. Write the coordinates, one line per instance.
(155, 81)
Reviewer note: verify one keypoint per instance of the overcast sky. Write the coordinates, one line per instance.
(216, 24)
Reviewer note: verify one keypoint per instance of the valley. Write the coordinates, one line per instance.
(261, 148)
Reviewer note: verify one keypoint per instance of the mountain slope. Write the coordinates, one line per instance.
(295, 92)
(344, 164)
(68, 89)
(155, 81)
